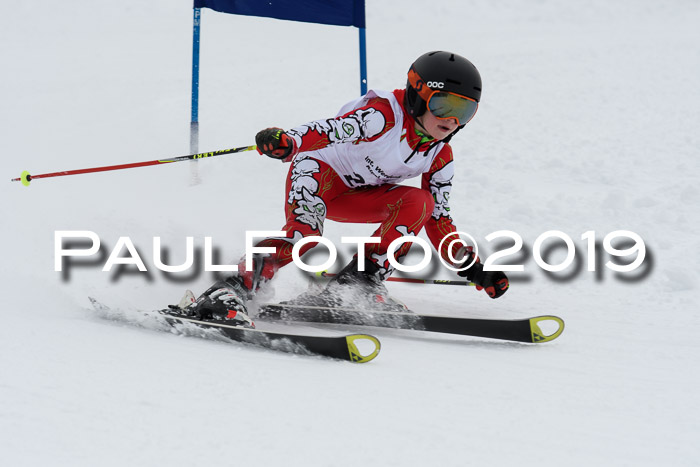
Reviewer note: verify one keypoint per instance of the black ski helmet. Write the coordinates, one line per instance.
(442, 71)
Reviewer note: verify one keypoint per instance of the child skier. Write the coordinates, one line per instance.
(347, 169)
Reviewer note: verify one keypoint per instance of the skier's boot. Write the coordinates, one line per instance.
(366, 288)
(225, 301)
(354, 289)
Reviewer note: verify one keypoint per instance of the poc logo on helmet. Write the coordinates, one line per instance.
(435, 84)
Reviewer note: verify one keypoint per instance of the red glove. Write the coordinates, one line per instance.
(275, 143)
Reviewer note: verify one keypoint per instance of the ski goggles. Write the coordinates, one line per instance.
(442, 104)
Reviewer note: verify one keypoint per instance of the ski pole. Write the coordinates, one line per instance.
(412, 280)
(25, 178)
(431, 281)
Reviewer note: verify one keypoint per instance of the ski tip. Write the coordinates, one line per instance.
(538, 336)
(362, 356)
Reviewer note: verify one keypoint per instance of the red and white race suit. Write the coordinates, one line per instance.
(348, 169)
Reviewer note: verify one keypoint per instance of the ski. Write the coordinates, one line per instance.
(518, 330)
(338, 347)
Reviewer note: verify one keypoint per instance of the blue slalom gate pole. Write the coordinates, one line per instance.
(363, 62)
(194, 120)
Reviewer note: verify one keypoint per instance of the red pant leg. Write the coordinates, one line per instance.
(310, 184)
(400, 211)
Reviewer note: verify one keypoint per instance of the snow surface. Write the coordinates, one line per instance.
(589, 121)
